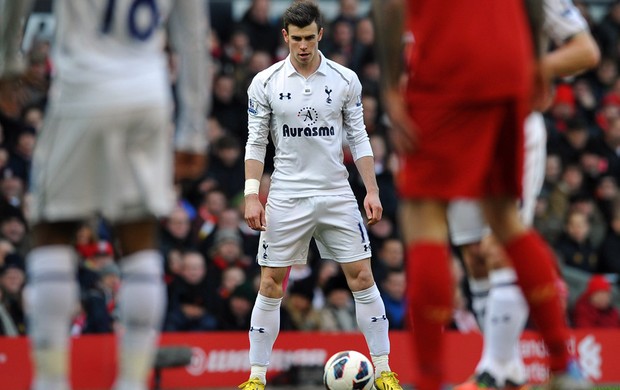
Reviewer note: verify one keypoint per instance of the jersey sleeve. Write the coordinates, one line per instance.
(562, 20)
(259, 117)
(188, 32)
(353, 121)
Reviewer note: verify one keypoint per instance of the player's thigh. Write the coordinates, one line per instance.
(341, 234)
(290, 225)
(138, 166)
(64, 176)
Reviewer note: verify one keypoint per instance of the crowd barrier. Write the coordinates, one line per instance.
(220, 359)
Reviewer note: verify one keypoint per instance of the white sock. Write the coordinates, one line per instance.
(479, 289)
(371, 319)
(507, 313)
(51, 301)
(264, 329)
(142, 299)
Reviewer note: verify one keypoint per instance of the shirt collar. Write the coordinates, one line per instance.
(290, 69)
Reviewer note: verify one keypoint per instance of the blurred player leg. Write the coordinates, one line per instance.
(430, 281)
(142, 302)
(51, 301)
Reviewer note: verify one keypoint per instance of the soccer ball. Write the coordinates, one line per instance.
(348, 370)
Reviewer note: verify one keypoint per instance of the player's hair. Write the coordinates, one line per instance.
(301, 14)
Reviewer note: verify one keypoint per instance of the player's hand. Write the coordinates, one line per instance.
(188, 166)
(402, 127)
(255, 213)
(373, 207)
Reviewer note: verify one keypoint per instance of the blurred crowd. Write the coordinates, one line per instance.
(210, 252)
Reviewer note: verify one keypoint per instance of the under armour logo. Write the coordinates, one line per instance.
(366, 247)
(282, 96)
(376, 319)
(259, 330)
(328, 92)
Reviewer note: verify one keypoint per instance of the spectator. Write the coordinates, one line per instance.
(226, 170)
(20, 159)
(232, 278)
(12, 279)
(607, 147)
(238, 309)
(594, 308)
(390, 257)
(176, 231)
(13, 228)
(213, 202)
(228, 108)
(264, 35)
(571, 144)
(100, 301)
(8, 327)
(574, 246)
(393, 289)
(609, 251)
(298, 305)
(227, 251)
(193, 302)
(608, 32)
(338, 314)
(570, 184)
(12, 188)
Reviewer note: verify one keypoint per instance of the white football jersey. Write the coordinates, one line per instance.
(111, 52)
(562, 20)
(306, 118)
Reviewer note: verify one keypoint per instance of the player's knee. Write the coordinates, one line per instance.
(361, 280)
(270, 287)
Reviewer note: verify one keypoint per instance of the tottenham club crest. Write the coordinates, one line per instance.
(328, 91)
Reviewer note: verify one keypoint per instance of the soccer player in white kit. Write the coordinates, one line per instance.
(306, 102)
(497, 300)
(106, 147)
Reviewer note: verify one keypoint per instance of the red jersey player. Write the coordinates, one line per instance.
(459, 130)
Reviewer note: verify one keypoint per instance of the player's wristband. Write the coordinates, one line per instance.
(251, 187)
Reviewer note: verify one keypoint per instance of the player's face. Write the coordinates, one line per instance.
(303, 42)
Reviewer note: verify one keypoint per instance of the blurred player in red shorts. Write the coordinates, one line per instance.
(459, 129)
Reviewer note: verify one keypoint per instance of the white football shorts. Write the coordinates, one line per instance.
(109, 160)
(334, 221)
(465, 218)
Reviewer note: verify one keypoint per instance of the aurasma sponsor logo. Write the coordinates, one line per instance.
(322, 131)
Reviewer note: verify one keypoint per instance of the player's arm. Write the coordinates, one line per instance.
(576, 55)
(359, 144)
(13, 15)
(259, 116)
(388, 18)
(372, 204)
(188, 33)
